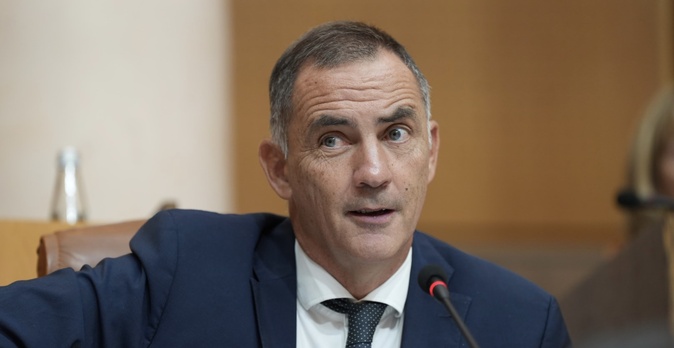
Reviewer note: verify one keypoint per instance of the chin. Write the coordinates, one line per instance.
(379, 249)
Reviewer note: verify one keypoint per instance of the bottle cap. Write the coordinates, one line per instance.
(68, 155)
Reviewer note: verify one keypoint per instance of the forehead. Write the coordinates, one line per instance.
(382, 81)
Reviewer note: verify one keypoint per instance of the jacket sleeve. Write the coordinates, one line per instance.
(116, 304)
(556, 334)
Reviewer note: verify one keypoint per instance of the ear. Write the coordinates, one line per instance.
(435, 147)
(274, 165)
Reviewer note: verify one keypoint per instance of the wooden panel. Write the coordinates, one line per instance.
(536, 100)
(19, 241)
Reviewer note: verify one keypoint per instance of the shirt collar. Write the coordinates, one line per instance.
(315, 284)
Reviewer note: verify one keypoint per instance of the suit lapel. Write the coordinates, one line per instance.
(427, 322)
(275, 288)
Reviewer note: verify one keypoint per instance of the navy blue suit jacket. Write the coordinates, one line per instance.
(198, 279)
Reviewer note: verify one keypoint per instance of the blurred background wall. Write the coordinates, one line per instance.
(141, 88)
(536, 103)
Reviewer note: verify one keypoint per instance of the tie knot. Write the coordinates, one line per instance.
(362, 317)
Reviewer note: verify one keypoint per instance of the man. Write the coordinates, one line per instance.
(353, 149)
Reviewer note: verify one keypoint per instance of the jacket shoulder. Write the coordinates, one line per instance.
(475, 275)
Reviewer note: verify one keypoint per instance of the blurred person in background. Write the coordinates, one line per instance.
(650, 172)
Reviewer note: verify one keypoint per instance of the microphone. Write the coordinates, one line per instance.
(433, 280)
(630, 200)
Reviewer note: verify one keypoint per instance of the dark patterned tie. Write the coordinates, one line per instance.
(363, 318)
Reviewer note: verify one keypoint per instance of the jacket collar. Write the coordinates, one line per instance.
(427, 322)
(275, 287)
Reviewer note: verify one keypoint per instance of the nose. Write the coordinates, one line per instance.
(371, 165)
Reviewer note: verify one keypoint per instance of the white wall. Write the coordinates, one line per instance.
(141, 88)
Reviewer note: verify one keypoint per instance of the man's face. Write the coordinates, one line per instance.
(359, 161)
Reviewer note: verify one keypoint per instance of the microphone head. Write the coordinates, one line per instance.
(429, 274)
(629, 200)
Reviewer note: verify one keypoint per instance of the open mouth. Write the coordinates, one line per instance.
(371, 212)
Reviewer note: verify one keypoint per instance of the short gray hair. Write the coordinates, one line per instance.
(328, 46)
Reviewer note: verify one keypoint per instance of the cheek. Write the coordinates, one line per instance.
(413, 187)
(316, 181)
(416, 172)
(415, 191)
(667, 172)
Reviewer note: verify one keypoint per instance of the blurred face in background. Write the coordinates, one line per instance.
(665, 168)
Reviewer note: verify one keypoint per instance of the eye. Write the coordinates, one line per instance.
(397, 134)
(331, 141)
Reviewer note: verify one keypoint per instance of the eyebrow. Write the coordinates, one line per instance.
(327, 120)
(400, 113)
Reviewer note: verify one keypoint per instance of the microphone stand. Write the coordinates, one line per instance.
(441, 293)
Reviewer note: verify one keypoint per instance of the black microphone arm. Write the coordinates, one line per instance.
(628, 199)
(433, 280)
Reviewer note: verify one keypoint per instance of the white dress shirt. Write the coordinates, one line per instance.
(319, 326)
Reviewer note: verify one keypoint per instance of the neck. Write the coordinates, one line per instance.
(360, 278)
(361, 282)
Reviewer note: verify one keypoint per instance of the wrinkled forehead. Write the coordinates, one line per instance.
(362, 73)
(380, 77)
